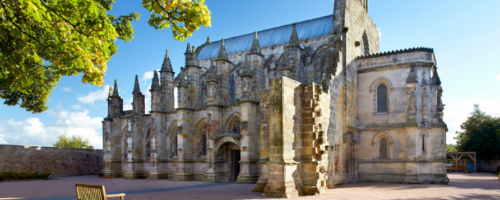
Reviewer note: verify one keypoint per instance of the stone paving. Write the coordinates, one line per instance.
(462, 186)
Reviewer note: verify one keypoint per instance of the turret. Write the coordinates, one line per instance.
(246, 75)
(182, 92)
(189, 56)
(115, 102)
(167, 85)
(138, 102)
(212, 84)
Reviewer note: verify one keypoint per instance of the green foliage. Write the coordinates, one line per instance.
(481, 134)
(451, 148)
(23, 175)
(191, 13)
(42, 40)
(63, 141)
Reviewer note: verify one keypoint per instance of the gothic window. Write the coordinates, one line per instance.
(423, 142)
(203, 93)
(236, 127)
(204, 141)
(382, 98)
(383, 148)
(232, 90)
(148, 145)
(175, 142)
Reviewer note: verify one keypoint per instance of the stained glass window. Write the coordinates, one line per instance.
(204, 142)
(236, 127)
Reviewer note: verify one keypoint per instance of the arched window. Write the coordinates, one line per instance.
(175, 141)
(383, 149)
(232, 90)
(148, 145)
(204, 141)
(236, 127)
(382, 98)
(423, 142)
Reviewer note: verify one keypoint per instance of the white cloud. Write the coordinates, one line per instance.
(497, 77)
(95, 96)
(147, 95)
(67, 89)
(33, 132)
(127, 105)
(457, 112)
(77, 107)
(147, 75)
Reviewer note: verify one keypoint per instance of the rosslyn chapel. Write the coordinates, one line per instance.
(295, 110)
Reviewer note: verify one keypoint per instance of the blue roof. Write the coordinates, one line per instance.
(279, 35)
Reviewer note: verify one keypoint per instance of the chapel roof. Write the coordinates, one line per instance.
(279, 35)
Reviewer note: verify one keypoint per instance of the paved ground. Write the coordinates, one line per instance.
(462, 186)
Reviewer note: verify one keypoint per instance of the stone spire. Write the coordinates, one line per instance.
(255, 45)
(110, 94)
(208, 40)
(156, 83)
(167, 66)
(412, 77)
(137, 89)
(294, 38)
(115, 90)
(245, 68)
(188, 50)
(435, 78)
(222, 52)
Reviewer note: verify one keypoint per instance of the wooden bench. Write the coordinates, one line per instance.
(94, 192)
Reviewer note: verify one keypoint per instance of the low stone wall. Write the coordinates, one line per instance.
(488, 165)
(58, 161)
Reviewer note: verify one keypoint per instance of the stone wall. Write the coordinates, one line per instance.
(59, 161)
(488, 165)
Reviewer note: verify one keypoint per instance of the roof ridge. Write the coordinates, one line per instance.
(275, 27)
(425, 49)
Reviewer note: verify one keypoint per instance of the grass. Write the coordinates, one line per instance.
(23, 175)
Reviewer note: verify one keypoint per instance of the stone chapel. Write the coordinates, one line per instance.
(295, 110)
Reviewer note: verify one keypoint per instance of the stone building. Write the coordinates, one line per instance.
(294, 109)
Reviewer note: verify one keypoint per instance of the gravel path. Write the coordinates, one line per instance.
(462, 186)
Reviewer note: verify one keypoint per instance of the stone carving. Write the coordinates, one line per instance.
(440, 105)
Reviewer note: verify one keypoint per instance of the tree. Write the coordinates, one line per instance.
(43, 40)
(451, 148)
(481, 133)
(63, 141)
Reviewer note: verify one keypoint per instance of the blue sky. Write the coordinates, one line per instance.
(464, 36)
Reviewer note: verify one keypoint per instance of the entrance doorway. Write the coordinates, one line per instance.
(227, 166)
(235, 165)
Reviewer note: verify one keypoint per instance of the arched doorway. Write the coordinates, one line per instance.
(227, 164)
(227, 156)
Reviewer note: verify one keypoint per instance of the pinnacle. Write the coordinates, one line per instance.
(412, 77)
(115, 90)
(255, 45)
(137, 89)
(294, 38)
(188, 50)
(222, 51)
(156, 82)
(166, 66)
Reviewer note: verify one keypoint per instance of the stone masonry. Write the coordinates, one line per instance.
(58, 161)
(295, 109)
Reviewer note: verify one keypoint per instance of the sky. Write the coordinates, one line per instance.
(463, 34)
